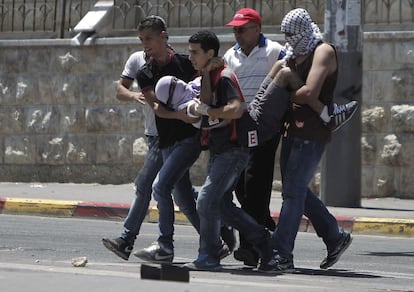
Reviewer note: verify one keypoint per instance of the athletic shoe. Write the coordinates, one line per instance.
(335, 252)
(118, 246)
(204, 263)
(248, 256)
(155, 253)
(229, 237)
(277, 264)
(341, 115)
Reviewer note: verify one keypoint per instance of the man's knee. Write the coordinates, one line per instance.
(283, 77)
(205, 204)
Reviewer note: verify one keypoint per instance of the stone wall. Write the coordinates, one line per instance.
(60, 120)
(388, 115)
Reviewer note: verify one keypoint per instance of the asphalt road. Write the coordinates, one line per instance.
(36, 253)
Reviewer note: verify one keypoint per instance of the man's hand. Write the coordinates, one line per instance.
(139, 97)
(182, 115)
(201, 108)
(214, 63)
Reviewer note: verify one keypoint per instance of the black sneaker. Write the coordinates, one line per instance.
(249, 257)
(204, 263)
(228, 236)
(155, 253)
(342, 114)
(335, 253)
(118, 246)
(277, 264)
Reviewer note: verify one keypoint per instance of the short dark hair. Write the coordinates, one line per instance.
(154, 22)
(207, 40)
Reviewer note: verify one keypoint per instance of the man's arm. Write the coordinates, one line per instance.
(232, 110)
(233, 107)
(324, 63)
(206, 93)
(123, 92)
(162, 112)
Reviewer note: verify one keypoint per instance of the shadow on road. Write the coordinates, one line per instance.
(335, 273)
(300, 271)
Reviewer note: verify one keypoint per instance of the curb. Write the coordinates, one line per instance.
(61, 208)
(117, 211)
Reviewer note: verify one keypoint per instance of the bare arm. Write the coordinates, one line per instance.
(162, 112)
(123, 92)
(232, 110)
(206, 94)
(324, 63)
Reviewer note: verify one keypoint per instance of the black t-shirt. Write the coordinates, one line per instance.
(169, 130)
(220, 138)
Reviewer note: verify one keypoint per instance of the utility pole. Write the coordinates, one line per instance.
(341, 164)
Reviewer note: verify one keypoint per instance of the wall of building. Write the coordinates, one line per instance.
(60, 120)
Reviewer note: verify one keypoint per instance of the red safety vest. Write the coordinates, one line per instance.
(244, 130)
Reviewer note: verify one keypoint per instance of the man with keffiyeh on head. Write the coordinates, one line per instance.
(315, 62)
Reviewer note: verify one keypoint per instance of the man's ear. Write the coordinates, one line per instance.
(164, 34)
(210, 53)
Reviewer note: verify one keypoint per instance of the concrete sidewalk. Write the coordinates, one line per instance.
(382, 216)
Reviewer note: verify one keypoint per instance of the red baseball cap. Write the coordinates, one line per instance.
(244, 16)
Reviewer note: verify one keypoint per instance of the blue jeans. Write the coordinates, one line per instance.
(174, 173)
(215, 202)
(143, 189)
(299, 160)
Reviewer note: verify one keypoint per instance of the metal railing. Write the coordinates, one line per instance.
(47, 18)
(57, 18)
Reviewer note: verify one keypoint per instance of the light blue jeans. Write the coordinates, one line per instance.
(174, 173)
(215, 202)
(143, 189)
(299, 160)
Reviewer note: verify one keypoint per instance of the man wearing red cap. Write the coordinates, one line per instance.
(251, 58)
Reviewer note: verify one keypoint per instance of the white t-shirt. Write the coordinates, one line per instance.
(252, 69)
(132, 65)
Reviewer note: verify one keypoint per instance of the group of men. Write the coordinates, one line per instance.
(237, 107)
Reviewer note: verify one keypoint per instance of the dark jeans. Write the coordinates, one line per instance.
(299, 160)
(143, 190)
(254, 188)
(175, 174)
(215, 203)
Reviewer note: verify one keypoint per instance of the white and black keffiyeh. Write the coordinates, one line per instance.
(304, 34)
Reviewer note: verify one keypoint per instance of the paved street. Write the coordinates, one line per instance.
(36, 253)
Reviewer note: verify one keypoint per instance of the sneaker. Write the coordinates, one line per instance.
(229, 237)
(277, 264)
(335, 253)
(342, 114)
(118, 246)
(248, 256)
(204, 263)
(155, 253)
